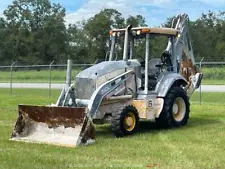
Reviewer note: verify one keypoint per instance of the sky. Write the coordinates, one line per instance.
(154, 11)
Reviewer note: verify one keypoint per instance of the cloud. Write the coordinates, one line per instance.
(214, 2)
(3, 5)
(155, 11)
(126, 7)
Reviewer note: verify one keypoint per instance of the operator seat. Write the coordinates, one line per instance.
(154, 66)
(154, 69)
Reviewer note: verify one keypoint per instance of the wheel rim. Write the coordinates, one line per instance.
(130, 121)
(179, 109)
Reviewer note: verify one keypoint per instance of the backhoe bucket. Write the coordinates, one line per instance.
(62, 126)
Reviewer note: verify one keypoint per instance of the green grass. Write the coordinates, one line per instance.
(209, 98)
(213, 81)
(42, 76)
(214, 72)
(213, 76)
(200, 144)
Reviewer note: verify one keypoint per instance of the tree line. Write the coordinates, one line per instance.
(34, 32)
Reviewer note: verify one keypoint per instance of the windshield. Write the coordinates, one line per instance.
(137, 45)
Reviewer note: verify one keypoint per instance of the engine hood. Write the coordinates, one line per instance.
(89, 79)
(101, 69)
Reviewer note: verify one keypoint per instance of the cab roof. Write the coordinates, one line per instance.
(145, 30)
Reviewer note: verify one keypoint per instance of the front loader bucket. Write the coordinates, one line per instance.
(62, 126)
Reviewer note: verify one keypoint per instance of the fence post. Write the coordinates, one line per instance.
(200, 87)
(11, 77)
(50, 78)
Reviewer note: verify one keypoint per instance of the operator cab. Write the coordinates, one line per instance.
(151, 68)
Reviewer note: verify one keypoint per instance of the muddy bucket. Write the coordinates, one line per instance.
(62, 126)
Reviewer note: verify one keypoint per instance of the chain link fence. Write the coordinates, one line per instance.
(53, 76)
(214, 73)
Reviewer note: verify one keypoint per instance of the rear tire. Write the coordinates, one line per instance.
(125, 122)
(176, 109)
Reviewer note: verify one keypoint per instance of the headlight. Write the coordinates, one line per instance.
(138, 32)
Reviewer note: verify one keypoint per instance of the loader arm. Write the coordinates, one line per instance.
(95, 101)
(102, 91)
(183, 60)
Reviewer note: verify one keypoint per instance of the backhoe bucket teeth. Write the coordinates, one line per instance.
(62, 126)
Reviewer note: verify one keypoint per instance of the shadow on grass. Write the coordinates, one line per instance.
(104, 130)
(202, 121)
(151, 127)
(143, 127)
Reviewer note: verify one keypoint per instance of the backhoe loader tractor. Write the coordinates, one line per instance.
(120, 91)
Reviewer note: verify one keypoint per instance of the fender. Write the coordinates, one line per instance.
(167, 81)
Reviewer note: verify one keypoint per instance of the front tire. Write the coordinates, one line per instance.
(125, 122)
(176, 109)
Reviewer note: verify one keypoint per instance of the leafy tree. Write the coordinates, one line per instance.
(136, 21)
(33, 31)
(36, 30)
(78, 44)
(207, 34)
(97, 30)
